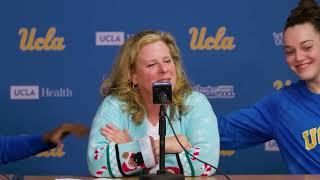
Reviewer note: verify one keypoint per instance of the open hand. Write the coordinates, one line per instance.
(56, 135)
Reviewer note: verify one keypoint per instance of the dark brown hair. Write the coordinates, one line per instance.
(307, 11)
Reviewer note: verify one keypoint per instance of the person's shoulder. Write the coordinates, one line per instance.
(276, 96)
(112, 100)
(195, 96)
(292, 88)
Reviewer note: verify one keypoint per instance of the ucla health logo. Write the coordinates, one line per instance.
(34, 92)
(216, 92)
(201, 40)
(31, 41)
(278, 38)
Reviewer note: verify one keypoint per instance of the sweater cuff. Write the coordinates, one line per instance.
(147, 152)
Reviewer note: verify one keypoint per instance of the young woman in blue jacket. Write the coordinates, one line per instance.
(290, 116)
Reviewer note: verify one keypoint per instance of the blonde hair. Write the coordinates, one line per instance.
(119, 82)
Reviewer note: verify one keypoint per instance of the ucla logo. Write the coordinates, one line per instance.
(30, 42)
(56, 152)
(311, 138)
(278, 84)
(109, 38)
(24, 92)
(201, 41)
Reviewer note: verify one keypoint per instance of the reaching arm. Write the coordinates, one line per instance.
(14, 148)
(56, 135)
(249, 126)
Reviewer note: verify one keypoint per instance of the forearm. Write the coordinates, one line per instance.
(19, 147)
(244, 128)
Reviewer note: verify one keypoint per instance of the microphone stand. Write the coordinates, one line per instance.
(162, 134)
(162, 173)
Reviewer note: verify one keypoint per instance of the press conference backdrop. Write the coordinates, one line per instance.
(55, 54)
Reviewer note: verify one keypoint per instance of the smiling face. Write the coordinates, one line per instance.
(302, 51)
(154, 64)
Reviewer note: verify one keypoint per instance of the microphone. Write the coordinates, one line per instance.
(162, 94)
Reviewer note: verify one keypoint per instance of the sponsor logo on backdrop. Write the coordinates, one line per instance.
(56, 152)
(24, 92)
(278, 38)
(203, 40)
(34, 92)
(110, 38)
(216, 92)
(278, 84)
(271, 146)
(31, 41)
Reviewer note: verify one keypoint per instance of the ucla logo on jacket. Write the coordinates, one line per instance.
(311, 138)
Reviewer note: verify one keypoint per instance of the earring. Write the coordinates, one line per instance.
(135, 87)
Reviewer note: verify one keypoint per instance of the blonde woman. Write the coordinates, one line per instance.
(124, 134)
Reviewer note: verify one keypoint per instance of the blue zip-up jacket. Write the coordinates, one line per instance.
(290, 116)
